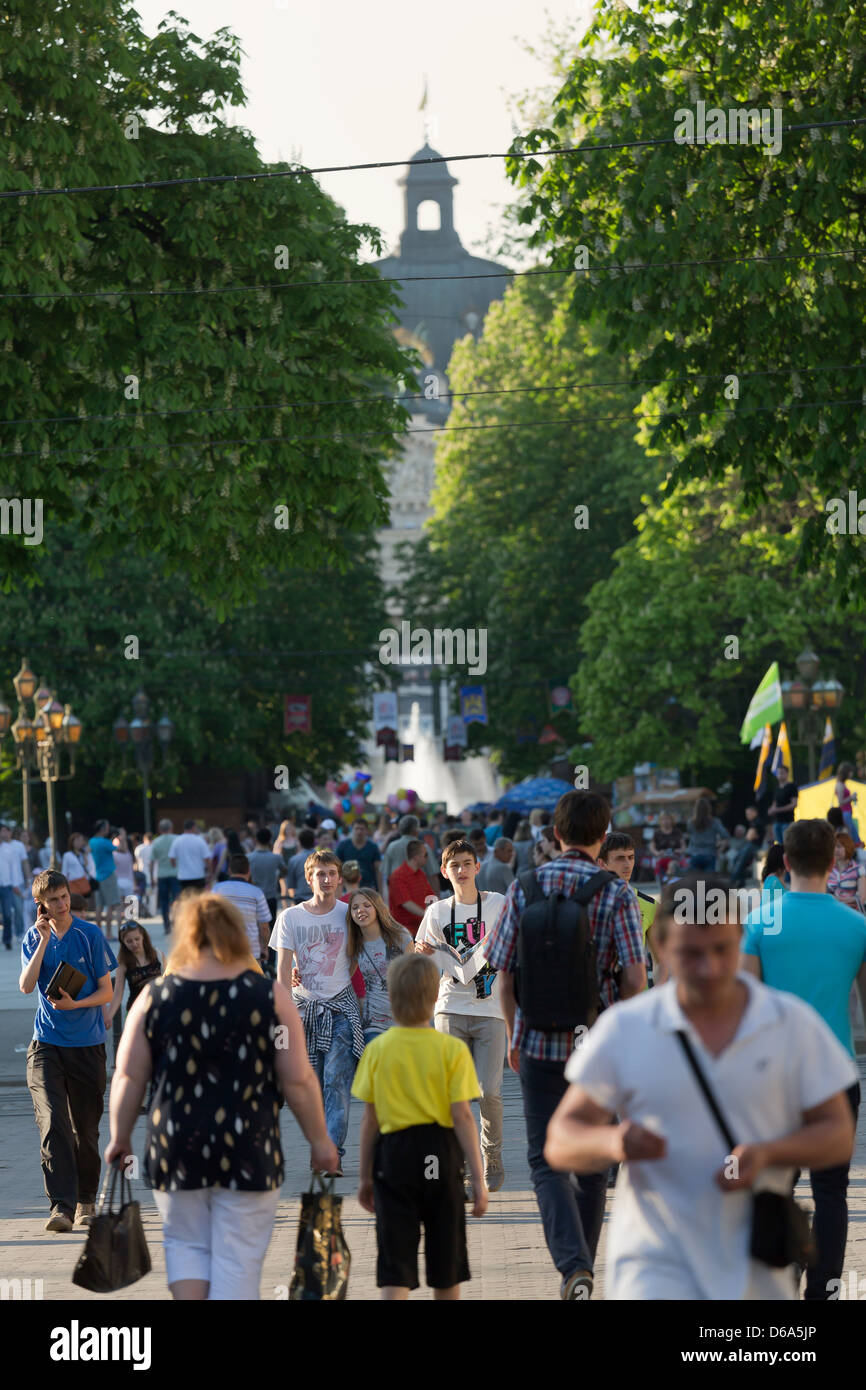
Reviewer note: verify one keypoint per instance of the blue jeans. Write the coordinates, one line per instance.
(166, 891)
(336, 1071)
(572, 1208)
(704, 861)
(371, 1033)
(779, 828)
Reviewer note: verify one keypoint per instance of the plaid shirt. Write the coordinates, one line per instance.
(616, 927)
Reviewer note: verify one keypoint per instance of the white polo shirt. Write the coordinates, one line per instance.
(669, 1213)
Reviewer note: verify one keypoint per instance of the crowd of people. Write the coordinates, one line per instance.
(406, 965)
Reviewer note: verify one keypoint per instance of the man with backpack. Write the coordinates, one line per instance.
(566, 930)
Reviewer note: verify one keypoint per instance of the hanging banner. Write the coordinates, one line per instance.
(298, 714)
(384, 710)
(407, 753)
(473, 704)
(455, 731)
(385, 718)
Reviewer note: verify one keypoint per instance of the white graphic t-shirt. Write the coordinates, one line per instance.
(480, 997)
(319, 946)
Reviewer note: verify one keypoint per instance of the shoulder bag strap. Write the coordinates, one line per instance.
(593, 885)
(530, 885)
(719, 1118)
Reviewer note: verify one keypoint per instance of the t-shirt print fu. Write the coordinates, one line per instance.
(318, 942)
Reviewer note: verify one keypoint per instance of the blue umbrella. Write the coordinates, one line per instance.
(532, 792)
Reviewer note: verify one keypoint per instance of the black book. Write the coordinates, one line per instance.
(68, 978)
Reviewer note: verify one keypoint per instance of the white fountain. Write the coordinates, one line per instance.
(457, 784)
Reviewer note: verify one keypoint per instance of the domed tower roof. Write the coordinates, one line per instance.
(442, 299)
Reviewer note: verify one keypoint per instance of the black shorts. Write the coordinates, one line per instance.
(418, 1180)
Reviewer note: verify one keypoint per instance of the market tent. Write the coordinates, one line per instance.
(532, 792)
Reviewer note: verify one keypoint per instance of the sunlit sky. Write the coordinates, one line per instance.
(337, 82)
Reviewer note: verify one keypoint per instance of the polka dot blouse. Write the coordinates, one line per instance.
(214, 1116)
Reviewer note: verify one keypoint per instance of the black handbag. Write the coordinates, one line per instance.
(115, 1254)
(781, 1235)
(322, 1259)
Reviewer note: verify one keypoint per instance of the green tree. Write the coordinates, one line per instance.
(672, 232)
(159, 420)
(222, 683)
(508, 548)
(661, 679)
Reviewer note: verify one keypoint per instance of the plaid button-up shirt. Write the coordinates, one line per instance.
(617, 930)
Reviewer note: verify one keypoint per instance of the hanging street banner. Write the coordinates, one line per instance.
(765, 706)
(455, 732)
(385, 718)
(782, 754)
(298, 714)
(473, 704)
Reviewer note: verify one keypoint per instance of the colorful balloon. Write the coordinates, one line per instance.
(358, 803)
(338, 808)
(331, 787)
(393, 801)
(404, 804)
(411, 796)
(342, 788)
(346, 803)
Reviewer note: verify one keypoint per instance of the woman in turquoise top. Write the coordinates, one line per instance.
(774, 872)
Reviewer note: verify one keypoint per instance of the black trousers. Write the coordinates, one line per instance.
(830, 1222)
(67, 1087)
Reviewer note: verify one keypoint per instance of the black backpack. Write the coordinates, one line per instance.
(556, 980)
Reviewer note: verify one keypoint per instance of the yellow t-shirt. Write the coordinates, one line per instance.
(413, 1076)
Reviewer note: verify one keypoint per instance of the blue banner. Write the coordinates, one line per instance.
(473, 704)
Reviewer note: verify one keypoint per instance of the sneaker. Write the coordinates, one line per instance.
(494, 1174)
(84, 1214)
(578, 1286)
(59, 1221)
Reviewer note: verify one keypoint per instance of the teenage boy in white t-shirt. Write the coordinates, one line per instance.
(471, 1011)
(316, 933)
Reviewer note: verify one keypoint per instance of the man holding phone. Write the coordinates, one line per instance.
(66, 1059)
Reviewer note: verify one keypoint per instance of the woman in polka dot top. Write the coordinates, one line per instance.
(223, 1045)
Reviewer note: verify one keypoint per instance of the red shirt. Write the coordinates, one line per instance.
(408, 885)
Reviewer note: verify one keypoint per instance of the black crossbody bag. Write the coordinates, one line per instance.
(780, 1228)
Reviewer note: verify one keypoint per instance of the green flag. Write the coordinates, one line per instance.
(765, 706)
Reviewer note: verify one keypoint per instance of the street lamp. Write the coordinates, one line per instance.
(806, 702)
(140, 733)
(39, 742)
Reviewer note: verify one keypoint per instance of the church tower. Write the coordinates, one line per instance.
(436, 312)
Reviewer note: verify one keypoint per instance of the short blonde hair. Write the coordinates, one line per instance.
(413, 985)
(205, 920)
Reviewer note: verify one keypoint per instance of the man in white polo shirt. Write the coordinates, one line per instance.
(682, 1210)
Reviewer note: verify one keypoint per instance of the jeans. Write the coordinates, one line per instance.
(707, 862)
(336, 1072)
(779, 828)
(67, 1087)
(572, 1208)
(485, 1038)
(167, 890)
(830, 1222)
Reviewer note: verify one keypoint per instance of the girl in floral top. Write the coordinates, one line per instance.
(847, 882)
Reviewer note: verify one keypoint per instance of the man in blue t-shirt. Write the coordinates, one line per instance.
(66, 1059)
(810, 945)
(359, 846)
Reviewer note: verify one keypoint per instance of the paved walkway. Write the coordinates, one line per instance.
(507, 1254)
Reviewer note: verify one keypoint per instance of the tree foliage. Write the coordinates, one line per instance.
(661, 679)
(221, 683)
(504, 549)
(188, 471)
(673, 231)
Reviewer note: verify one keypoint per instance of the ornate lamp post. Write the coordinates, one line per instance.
(39, 743)
(144, 735)
(807, 702)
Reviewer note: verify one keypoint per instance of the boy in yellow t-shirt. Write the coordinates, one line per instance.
(416, 1131)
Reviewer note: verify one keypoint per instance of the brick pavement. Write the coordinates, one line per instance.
(507, 1254)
